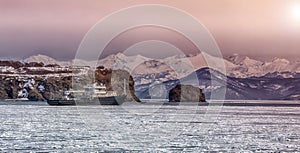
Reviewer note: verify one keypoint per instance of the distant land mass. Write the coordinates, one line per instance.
(246, 78)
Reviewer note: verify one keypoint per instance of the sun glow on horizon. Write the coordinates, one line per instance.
(295, 13)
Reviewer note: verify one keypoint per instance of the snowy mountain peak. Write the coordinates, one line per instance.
(131, 58)
(40, 58)
(46, 60)
(243, 60)
(280, 60)
(120, 55)
(237, 59)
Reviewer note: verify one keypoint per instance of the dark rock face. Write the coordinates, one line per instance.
(3, 93)
(117, 80)
(186, 93)
(34, 64)
(10, 87)
(34, 95)
(54, 87)
(14, 64)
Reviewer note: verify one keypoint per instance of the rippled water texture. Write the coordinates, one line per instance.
(39, 127)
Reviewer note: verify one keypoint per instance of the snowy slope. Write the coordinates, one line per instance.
(121, 61)
(46, 60)
(281, 65)
(248, 67)
(40, 58)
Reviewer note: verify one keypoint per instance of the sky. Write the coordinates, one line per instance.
(260, 29)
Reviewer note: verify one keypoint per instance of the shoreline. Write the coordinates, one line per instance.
(258, 103)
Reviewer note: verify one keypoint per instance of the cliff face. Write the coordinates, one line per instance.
(55, 86)
(14, 64)
(186, 93)
(35, 89)
(40, 88)
(9, 87)
(117, 80)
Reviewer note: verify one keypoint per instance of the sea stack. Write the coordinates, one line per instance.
(186, 93)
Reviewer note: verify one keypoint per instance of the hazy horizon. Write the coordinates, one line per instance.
(260, 29)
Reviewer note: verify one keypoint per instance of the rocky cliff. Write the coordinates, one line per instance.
(186, 93)
(117, 80)
(42, 87)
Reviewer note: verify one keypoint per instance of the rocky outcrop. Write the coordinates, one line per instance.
(3, 92)
(186, 93)
(54, 87)
(117, 80)
(35, 95)
(10, 86)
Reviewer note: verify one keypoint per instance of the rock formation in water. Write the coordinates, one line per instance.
(186, 93)
(117, 80)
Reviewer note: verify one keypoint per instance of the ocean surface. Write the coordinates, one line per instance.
(37, 127)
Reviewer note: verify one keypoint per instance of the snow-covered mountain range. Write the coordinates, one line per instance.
(251, 67)
(180, 65)
(245, 78)
(254, 88)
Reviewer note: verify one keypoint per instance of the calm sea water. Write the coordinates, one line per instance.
(38, 127)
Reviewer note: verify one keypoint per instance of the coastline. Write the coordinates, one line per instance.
(258, 103)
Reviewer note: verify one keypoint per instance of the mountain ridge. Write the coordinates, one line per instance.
(254, 88)
(238, 66)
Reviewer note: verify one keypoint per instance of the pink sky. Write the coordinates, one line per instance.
(257, 28)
